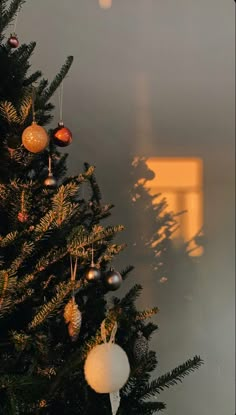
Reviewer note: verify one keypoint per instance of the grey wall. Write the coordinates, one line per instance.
(178, 56)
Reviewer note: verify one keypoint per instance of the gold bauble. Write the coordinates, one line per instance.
(35, 138)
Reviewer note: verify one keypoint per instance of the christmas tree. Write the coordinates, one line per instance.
(55, 267)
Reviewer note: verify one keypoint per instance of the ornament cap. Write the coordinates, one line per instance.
(61, 124)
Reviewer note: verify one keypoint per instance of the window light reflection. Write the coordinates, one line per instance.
(180, 181)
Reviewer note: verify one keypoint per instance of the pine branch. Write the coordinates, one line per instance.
(56, 82)
(32, 78)
(172, 378)
(10, 13)
(145, 314)
(48, 309)
(126, 271)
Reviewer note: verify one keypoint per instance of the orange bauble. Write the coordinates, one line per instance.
(62, 136)
(35, 138)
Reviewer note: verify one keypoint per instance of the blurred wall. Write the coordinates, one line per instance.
(155, 78)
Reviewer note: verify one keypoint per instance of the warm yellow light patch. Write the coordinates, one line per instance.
(105, 4)
(180, 181)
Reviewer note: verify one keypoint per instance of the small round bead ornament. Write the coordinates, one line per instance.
(107, 366)
(50, 181)
(35, 138)
(13, 41)
(113, 280)
(62, 136)
(93, 274)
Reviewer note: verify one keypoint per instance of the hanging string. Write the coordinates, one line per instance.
(104, 335)
(73, 271)
(16, 21)
(49, 165)
(92, 262)
(60, 100)
(33, 103)
(22, 201)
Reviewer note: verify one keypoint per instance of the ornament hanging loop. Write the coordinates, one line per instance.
(60, 99)
(33, 103)
(104, 335)
(73, 271)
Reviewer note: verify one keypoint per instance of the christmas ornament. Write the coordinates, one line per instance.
(50, 181)
(13, 141)
(22, 215)
(113, 280)
(93, 274)
(72, 314)
(13, 41)
(75, 321)
(62, 136)
(68, 311)
(107, 366)
(35, 138)
(140, 346)
(115, 402)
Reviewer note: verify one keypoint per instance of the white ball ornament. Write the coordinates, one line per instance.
(35, 138)
(107, 367)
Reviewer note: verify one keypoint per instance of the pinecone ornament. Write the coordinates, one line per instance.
(73, 316)
(68, 311)
(140, 346)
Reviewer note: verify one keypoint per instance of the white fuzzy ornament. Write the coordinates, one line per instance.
(107, 366)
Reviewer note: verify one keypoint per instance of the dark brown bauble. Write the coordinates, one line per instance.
(13, 41)
(50, 181)
(113, 280)
(62, 136)
(93, 274)
(13, 141)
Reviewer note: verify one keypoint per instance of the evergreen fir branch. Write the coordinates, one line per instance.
(23, 53)
(26, 250)
(32, 78)
(57, 81)
(149, 329)
(79, 239)
(20, 340)
(9, 239)
(48, 309)
(145, 314)
(131, 296)
(42, 85)
(110, 252)
(10, 13)
(47, 222)
(9, 113)
(25, 109)
(26, 280)
(53, 256)
(126, 271)
(7, 286)
(172, 378)
(97, 196)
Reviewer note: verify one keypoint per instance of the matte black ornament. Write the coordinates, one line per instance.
(93, 274)
(50, 181)
(113, 280)
(140, 346)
